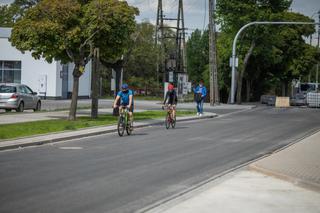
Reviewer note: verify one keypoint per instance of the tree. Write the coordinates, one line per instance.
(142, 61)
(266, 41)
(25, 4)
(68, 30)
(197, 54)
(9, 14)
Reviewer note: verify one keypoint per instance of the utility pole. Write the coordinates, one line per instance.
(95, 75)
(317, 72)
(180, 41)
(214, 88)
(159, 38)
(179, 54)
(184, 47)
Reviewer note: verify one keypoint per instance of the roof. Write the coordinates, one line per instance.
(5, 32)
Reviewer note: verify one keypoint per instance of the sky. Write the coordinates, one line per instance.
(195, 11)
(196, 15)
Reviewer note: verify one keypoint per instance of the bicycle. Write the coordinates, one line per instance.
(169, 121)
(123, 122)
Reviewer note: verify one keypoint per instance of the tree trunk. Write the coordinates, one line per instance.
(283, 89)
(118, 70)
(75, 92)
(95, 87)
(241, 72)
(248, 90)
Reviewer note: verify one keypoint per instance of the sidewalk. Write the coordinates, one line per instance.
(272, 184)
(68, 135)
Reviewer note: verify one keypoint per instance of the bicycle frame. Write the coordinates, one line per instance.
(169, 117)
(124, 113)
(124, 124)
(170, 112)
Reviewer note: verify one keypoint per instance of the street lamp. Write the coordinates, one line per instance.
(233, 64)
(317, 68)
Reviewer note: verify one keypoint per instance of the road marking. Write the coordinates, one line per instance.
(71, 148)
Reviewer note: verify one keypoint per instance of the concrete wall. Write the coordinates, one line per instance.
(31, 69)
(85, 80)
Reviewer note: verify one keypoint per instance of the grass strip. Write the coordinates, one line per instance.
(10, 131)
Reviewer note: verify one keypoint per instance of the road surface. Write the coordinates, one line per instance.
(112, 174)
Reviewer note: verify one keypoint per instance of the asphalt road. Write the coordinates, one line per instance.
(112, 174)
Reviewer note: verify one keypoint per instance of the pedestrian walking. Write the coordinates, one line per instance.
(200, 92)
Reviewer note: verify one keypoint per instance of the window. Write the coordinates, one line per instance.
(7, 89)
(22, 89)
(10, 71)
(308, 87)
(28, 90)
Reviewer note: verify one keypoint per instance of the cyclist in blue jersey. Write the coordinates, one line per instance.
(126, 100)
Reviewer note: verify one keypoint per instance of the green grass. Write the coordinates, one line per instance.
(140, 97)
(9, 131)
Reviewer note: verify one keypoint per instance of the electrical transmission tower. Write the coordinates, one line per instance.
(171, 63)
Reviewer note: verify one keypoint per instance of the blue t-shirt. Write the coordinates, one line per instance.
(124, 97)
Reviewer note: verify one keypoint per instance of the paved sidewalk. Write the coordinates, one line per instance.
(299, 164)
(250, 191)
(68, 135)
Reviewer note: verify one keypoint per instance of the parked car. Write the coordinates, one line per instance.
(18, 97)
(270, 100)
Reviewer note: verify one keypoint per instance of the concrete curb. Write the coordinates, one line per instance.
(296, 181)
(83, 133)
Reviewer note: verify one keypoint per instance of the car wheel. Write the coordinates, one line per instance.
(38, 107)
(20, 107)
(8, 110)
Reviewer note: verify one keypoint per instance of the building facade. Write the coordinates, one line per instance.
(51, 80)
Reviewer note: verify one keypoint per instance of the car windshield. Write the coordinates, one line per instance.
(307, 87)
(7, 89)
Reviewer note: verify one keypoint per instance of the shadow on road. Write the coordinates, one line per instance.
(139, 134)
(181, 127)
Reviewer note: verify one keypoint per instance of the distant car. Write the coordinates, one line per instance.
(18, 97)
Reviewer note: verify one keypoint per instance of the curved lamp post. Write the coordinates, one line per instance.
(232, 101)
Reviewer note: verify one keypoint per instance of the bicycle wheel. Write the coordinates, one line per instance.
(168, 121)
(121, 126)
(129, 127)
(173, 123)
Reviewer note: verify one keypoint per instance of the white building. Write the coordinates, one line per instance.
(51, 80)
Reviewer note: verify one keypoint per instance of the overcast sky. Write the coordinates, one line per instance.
(196, 15)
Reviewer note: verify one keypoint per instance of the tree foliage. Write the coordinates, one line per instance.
(9, 14)
(142, 61)
(68, 30)
(280, 53)
(197, 54)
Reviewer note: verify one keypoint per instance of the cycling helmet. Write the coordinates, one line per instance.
(124, 86)
(170, 87)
